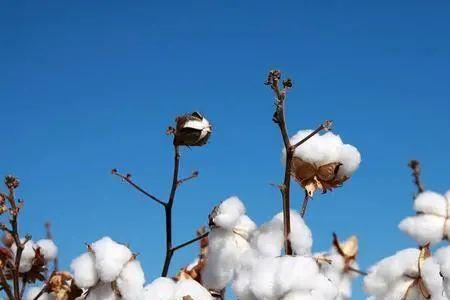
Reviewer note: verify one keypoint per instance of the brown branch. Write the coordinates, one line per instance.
(5, 284)
(41, 292)
(187, 243)
(357, 271)
(127, 178)
(415, 167)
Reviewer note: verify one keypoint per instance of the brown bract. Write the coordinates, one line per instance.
(192, 130)
(347, 249)
(417, 279)
(312, 177)
(61, 286)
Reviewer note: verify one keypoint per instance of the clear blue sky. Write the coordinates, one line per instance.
(85, 87)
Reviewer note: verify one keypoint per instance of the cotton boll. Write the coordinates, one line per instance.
(431, 277)
(442, 257)
(244, 227)
(28, 254)
(431, 203)
(228, 213)
(191, 288)
(262, 282)
(131, 281)
(424, 228)
(48, 249)
(83, 269)
(350, 158)
(398, 290)
(34, 291)
(268, 239)
(102, 291)
(160, 289)
(299, 296)
(241, 286)
(110, 258)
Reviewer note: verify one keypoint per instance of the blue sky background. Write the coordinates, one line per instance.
(85, 87)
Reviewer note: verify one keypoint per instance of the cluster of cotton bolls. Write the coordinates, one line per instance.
(250, 258)
(46, 248)
(110, 271)
(431, 223)
(323, 161)
(412, 273)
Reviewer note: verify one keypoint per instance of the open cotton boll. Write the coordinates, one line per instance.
(244, 227)
(83, 269)
(48, 249)
(102, 291)
(228, 213)
(191, 288)
(225, 249)
(262, 279)
(300, 236)
(34, 291)
(442, 257)
(430, 202)
(300, 296)
(268, 239)
(433, 280)
(161, 288)
(241, 286)
(350, 158)
(424, 228)
(131, 281)
(28, 254)
(110, 258)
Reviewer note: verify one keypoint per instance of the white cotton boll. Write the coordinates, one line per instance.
(300, 236)
(28, 254)
(110, 258)
(350, 158)
(431, 203)
(303, 295)
(324, 288)
(191, 288)
(424, 228)
(244, 227)
(228, 213)
(102, 291)
(296, 273)
(398, 290)
(241, 286)
(268, 239)
(48, 249)
(83, 270)
(34, 291)
(225, 249)
(161, 288)
(432, 279)
(131, 281)
(262, 282)
(442, 257)
(344, 288)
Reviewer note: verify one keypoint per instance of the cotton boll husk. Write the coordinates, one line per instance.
(48, 249)
(191, 288)
(102, 291)
(131, 281)
(83, 270)
(34, 291)
(229, 212)
(432, 279)
(424, 228)
(350, 158)
(110, 258)
(225, 249)
(431, 203)
(161, 288)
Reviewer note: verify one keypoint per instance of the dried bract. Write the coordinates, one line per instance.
(192, 130)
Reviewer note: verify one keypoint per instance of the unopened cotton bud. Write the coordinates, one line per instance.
(11, 182)
(192, 130)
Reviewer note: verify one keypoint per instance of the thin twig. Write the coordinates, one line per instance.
(325, 125)
(357, 271)
(190, 241)
(304, 204)
(5, 284)
(41, 292)
(192, 176)
(415, 167)
(127, 178)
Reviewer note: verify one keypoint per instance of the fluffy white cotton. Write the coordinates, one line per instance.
(110, 258)
(48, 249)
(191, 288)
(433, 280)
(228, 213)
(431, 224)
(34, 291)
(27, 257)
(83, 270)
(442, 257)
(131, 281)
(161, 288)
(268, 240)
(327, 148)
(424, 228)
(102, 291)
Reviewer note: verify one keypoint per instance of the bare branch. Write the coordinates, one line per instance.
(190, 241)
(5, 284)
(415, 167)
(324, 126)
(127, 178)
(363, 273)
(305, 204)
(192, 176)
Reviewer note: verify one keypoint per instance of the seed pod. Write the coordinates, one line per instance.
(192, 130)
